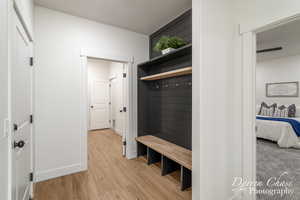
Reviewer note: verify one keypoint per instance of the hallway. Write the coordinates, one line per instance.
(112, 177)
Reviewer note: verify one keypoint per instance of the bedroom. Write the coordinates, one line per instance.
(278, 109)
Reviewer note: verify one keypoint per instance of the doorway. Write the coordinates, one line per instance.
(277, 112)
(107, 97)
(249, 108)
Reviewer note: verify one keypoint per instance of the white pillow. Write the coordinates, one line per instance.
(281, 112)
(267, 111)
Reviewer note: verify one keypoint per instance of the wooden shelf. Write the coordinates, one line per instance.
(177, 153)
(182, 51)
(169, 74)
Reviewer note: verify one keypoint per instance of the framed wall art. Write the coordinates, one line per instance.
(282, 89)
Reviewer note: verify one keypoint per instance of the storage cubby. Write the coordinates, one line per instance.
(171, 157)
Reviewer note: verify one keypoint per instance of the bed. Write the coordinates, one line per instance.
(284, 131)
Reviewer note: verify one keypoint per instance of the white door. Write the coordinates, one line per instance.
(125, 104)
(99, 105)
(20, 112)
(116, 91)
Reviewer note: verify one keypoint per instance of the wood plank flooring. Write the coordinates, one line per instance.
(112, 177)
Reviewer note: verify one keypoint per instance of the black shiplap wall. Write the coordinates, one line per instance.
(181, 27)
(165, 106)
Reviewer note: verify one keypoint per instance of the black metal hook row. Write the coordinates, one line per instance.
(171, 85)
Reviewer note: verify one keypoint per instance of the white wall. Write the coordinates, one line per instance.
(59, 38)
(4, 171)
(116, 69)
(98, 70)
(284, 69)
(216, 154)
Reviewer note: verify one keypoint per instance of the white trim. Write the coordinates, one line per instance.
(259, 27)
(126, 103)
(102, 54)
(131, 151)
(196, 89)
(84, 110)
(248, 112)
(10, 21)
(58, 172)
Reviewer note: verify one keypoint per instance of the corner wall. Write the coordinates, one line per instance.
(216, 150)
(59, 39)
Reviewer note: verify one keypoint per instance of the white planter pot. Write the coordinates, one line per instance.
(168, 50)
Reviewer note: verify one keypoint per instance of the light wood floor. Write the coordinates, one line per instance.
(112, 177)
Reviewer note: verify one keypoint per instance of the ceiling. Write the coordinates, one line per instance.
(286, 36)
(142, 16)
(289, 31)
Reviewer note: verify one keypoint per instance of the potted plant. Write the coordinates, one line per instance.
(167, 44)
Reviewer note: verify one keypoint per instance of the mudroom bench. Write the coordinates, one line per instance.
(171, 156)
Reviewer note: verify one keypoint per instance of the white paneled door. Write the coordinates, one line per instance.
(99, 105)
(21, 76)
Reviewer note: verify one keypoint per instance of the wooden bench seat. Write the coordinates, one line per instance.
(170, 155)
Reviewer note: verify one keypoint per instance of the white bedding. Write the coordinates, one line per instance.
(280, 132)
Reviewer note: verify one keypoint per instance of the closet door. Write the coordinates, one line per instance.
(20, 112)
(99, 108)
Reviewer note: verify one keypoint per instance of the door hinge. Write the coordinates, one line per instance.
(31, 119)
(15, 127)
(31, 61)
(124, 75)
(31, 177)
(124, 109)
(124, 143)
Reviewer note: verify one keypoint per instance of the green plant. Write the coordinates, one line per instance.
(169, 42)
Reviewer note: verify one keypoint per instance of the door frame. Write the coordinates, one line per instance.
(130, 117)
(247, 59)
(124, 93)
(110, 97)
(13, 9)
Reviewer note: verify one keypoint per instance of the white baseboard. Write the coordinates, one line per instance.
(131, 155)
(58, 172)
(131, 152)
